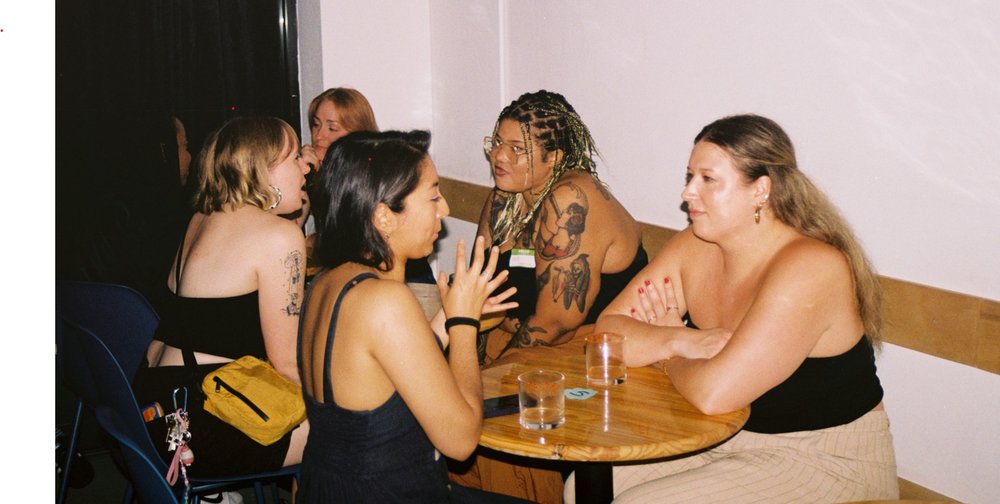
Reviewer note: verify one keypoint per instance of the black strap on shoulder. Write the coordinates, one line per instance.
(189, 359)
(327, 385)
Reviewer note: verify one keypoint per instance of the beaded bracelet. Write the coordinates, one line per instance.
(454, 321)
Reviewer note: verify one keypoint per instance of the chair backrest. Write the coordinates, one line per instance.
(150, 484)
(93, 373)
(117, 314)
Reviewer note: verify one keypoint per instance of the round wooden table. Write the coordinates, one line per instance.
(642, 419)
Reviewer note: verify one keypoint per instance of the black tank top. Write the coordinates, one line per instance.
(226, 327)
(823, 392)
(381, 455)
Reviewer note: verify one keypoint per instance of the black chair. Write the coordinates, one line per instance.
(95, 374)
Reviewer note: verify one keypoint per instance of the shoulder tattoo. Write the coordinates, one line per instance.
(562, 221)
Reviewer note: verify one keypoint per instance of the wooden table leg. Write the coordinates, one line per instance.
(594, 484)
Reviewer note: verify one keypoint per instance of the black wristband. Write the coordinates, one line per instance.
(454, 321)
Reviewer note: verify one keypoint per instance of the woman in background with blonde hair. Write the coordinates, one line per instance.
(235, 289)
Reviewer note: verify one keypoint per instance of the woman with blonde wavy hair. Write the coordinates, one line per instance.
(765, 300)
(235, 289)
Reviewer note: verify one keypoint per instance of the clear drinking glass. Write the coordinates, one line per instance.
(541, 399)
(605, 359)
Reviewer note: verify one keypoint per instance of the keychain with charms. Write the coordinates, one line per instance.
(178, 437)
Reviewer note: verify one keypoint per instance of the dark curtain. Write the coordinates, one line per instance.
(122, 67)
(206, 60)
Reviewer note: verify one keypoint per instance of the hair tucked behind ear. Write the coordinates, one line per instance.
(554, 124)
(362, 170)
(760, 147)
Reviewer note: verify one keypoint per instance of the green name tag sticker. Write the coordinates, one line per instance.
(522, 258)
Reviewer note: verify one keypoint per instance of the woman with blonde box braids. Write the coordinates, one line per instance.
(568, 245)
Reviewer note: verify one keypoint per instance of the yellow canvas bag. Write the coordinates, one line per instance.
(251, 396)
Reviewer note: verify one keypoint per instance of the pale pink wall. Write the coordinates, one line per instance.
(892, 106)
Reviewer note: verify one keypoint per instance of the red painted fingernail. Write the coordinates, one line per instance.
(648, 282)
(666, 280)
(633, 310)
(641, 290)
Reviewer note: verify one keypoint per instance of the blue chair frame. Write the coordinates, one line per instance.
(126, 323)
(94, 372)
(150, 485)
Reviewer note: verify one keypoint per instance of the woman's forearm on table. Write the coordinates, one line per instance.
(644, 343)
(693, 379)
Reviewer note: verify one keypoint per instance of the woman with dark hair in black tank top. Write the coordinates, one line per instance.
(385, 404)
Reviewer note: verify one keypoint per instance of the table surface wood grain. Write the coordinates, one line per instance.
(645, 418)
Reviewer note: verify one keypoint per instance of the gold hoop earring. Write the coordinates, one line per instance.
(756, 214)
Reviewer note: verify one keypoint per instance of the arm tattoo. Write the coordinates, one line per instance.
(544, 278)
(572, 283)
(522, 338)
(562, 221)
(293, 264)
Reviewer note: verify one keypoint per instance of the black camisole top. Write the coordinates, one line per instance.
(823, 392)
(380, 455)
(226, 327)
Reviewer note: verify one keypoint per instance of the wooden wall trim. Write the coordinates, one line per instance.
(953, 326)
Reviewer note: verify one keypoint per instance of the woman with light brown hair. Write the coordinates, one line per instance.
(335, 113)
(765, 300)
(235, 289)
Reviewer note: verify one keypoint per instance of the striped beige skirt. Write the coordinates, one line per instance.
(849, 462)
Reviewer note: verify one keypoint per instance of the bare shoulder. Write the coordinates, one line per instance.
(590, 186)
(808, 254)
(685, 246)
(807, 264)
(386, 299)
(281, 233)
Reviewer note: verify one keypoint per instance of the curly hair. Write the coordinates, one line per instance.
(553, 123)
(759, 147)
